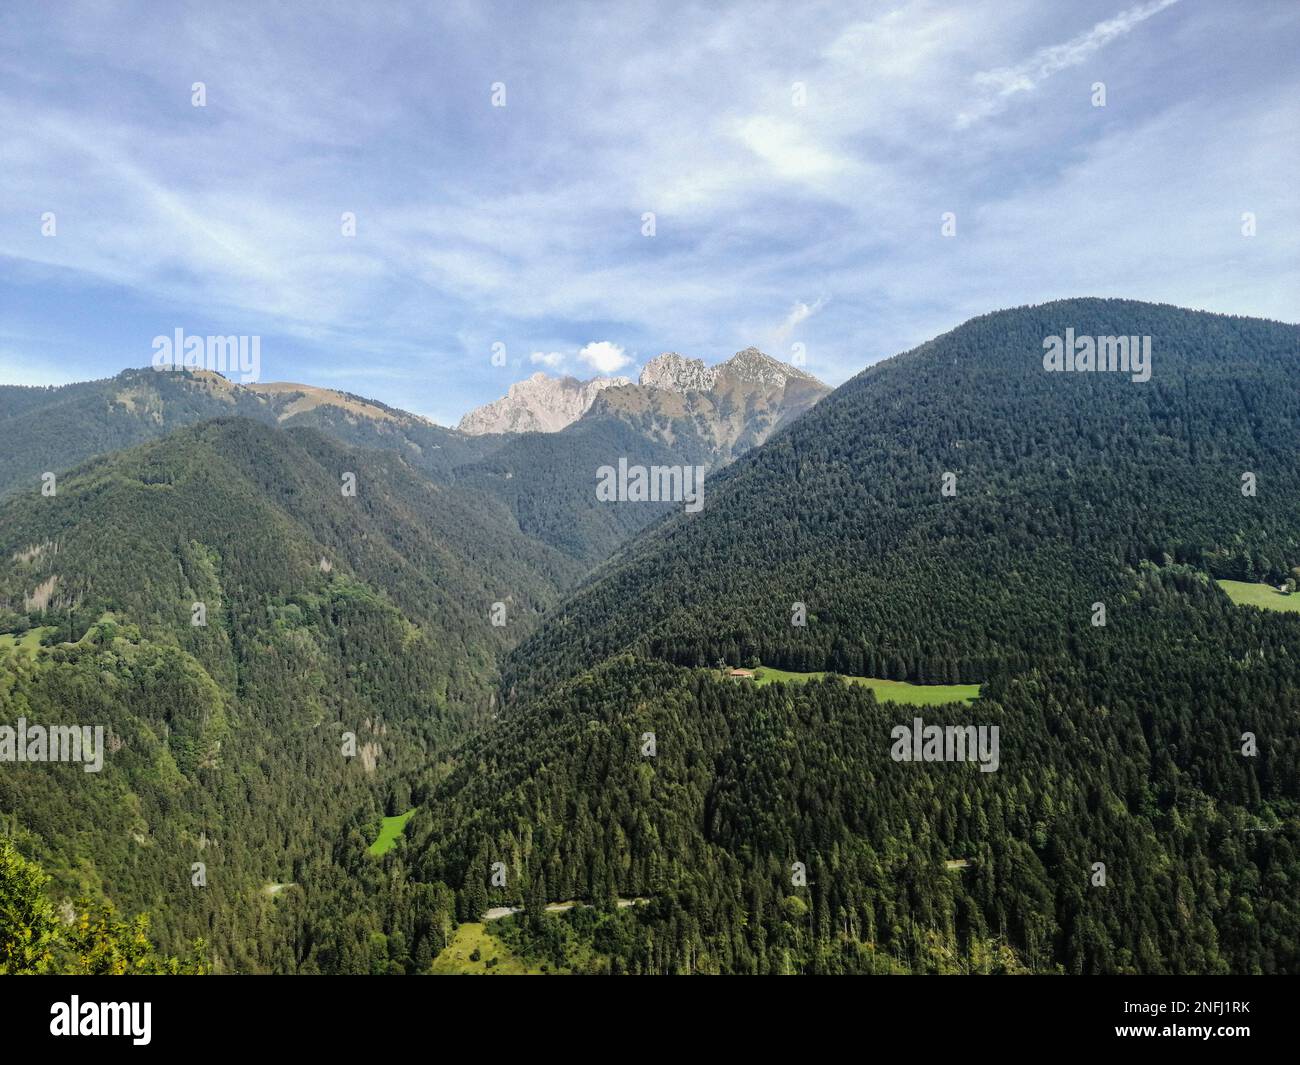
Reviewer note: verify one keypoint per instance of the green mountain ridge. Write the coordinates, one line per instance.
(590, 746)
(1076, 476)
(325, 614)
(546, 479)
(1122, 742)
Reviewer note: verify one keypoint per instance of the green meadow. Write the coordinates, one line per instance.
(473, 951)
(28, 642)
(1264, 596)
(894, 691)
(388, 833)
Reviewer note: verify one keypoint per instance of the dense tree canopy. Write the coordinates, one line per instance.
(1143, 816)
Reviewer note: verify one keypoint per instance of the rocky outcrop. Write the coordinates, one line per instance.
(676, 373)
(541, 404)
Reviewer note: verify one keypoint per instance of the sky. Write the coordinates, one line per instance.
(838, 181)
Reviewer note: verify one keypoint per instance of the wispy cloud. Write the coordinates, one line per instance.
(995, 89)
(799, 314)
(779, 215)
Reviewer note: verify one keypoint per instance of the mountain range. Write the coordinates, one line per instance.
(1056, 544)
(547, 404)
(838, 547)
(545, 476)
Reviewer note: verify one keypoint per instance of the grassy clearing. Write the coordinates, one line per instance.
(894, 691)
(27, 643)
(30, 641)
(388, 833)
(1264, 596)
(493, 956)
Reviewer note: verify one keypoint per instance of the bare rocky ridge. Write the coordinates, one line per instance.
(539, 404)
(676, 373)
(548, 404)
(729, 408)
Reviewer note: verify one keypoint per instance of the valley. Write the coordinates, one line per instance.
(346, 715)
(650, 490)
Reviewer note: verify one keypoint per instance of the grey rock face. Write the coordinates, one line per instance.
(540, 404)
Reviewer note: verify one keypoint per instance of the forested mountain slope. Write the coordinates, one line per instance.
(682, 413)
(609, 760)
(1062, 481)
(549, 481)
(52, 429)
(1124, 750)
(325, 614)
(1130, 756)
(546, 479)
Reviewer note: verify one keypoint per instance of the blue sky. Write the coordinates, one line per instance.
(777, 221)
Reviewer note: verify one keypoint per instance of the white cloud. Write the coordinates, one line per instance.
(235, 217)
(997, 87)
(799, 314)
(604, 356)
(790, 152)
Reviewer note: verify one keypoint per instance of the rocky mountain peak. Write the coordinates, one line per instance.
(676, 373)
(540, 403)
(546, 404)
(755, 367)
